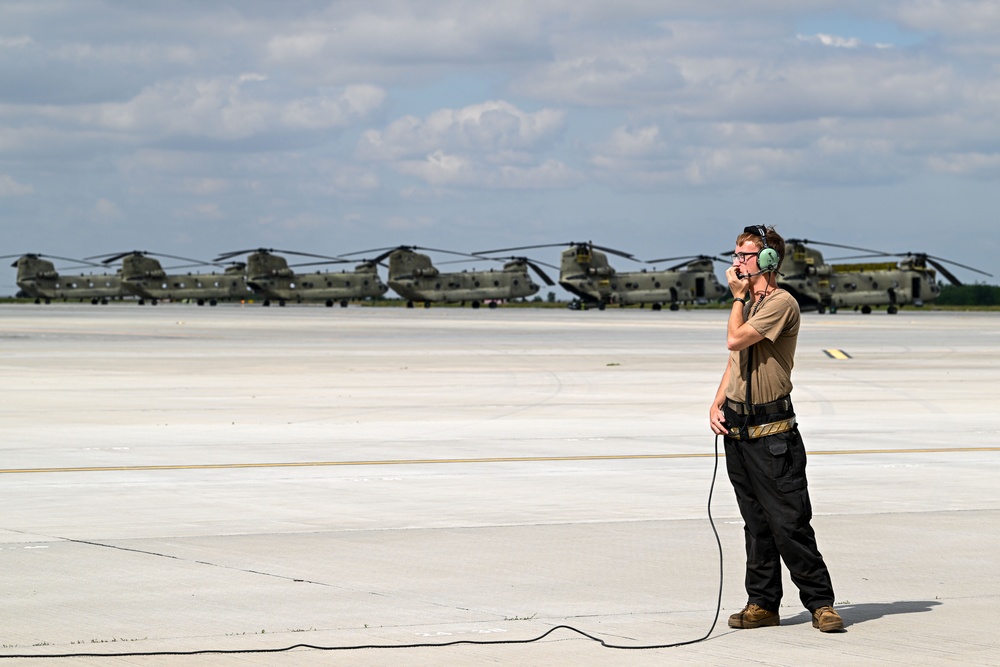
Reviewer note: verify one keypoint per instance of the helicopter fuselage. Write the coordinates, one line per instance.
(39, 280)
(413, 277)
(819, 286)
(271, 278)
(587, 273)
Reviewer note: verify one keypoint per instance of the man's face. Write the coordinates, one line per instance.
(745, 258)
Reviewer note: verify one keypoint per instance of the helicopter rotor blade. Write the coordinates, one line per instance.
(227, 255)
(114, 257)
(329, 261)
(945, 272)
(948, 261)
(541, 274)
(525, 247)
(572, 244)
(832, 245)
(82, 262)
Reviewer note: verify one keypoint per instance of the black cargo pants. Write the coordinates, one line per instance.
(769, 477)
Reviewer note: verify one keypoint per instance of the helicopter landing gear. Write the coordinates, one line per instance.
(892, 310)
(266, 303)
(601, 306)
(213, 302)
(475, 305)
(493, 305)
(329, 303)
(153, 302)
(281, 303)
(866, 310)
(675, 306)
(427, 304)
(820, 309)
(200, 302)
(657, 307)
(409, 304)
(343, 304)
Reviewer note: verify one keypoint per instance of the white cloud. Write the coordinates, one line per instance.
(224, 108)
(479, 128)
(493, 144)
(16, 42)
(831, 40)
(11, 188)
(105, 210)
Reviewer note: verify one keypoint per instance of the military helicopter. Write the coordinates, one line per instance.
(414, 277)
(820, 286)
(586, 272)
(38, 278)
(271, 277)
(144, 277)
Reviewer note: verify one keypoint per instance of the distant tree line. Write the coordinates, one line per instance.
(969, 295)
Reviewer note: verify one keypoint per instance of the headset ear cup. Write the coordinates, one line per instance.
(768, 260)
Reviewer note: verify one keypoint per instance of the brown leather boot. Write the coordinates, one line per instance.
(827, 620)
(755, 616)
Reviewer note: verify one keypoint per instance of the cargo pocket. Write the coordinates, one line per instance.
(788, 470)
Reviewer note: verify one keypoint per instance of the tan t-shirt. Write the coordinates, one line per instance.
(777, 320)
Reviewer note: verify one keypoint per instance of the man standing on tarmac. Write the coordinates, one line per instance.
(765, 456)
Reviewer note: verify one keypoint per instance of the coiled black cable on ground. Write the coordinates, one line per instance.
(492, 642)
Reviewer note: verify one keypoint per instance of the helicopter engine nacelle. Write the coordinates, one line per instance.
(30, 267)
(600, 271)
(261, 264)
(139, 266)
(425, 273)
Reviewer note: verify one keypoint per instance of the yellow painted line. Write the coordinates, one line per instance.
(511, 459)
(837, 354)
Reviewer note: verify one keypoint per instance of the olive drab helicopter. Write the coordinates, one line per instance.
(585, 272)
(821, 286)
(413, 276)
(38, 278)
(273, 279)
(144, 277)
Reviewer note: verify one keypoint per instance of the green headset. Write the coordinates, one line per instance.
(768, 258)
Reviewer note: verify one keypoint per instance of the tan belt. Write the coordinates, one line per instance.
(761, 430)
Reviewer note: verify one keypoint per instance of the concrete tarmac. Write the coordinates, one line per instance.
(177, 479)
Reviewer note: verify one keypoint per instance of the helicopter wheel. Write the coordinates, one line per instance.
(427, 304)
(213, 302)
(657, 307)
(409, 304)
(200, 302)
(866, 310)
(329, 303)
(493, 305)
(475, 305)
(892, 310)
(104, 301)
(601, 306)
(142, 302)
(266, 303)
(675, 307)
(343, 304)
(833, 310)
(37, 300)
(153, 302)
(820, 309)
(281, 303)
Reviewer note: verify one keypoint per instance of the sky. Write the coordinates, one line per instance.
(656, 127)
